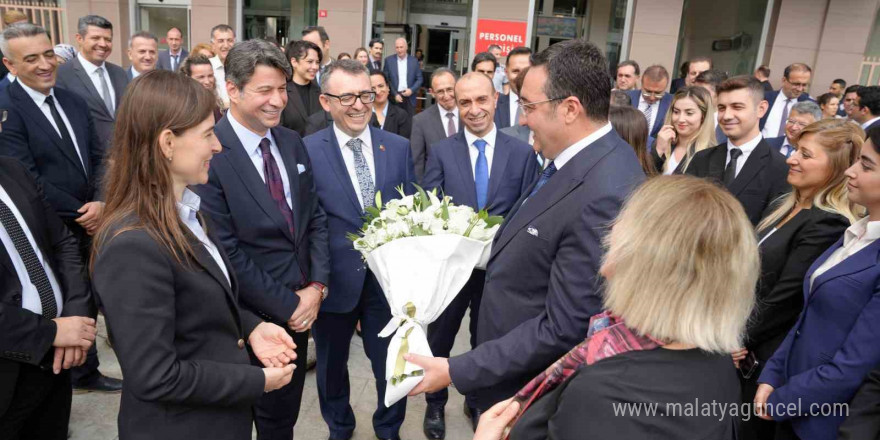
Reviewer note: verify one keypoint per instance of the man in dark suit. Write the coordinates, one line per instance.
(484, 169)
(802, 114)
(866, 107)
(507, 111)
(143, 53)
(261, 197)
(100, 83)
(542, 283)
(745, 164)
(436, 122)
(405, 76)
(795, 81)
(172, 58)
(710, 80)
(302, 90)
(762, 74)
(353, 162)
(652, 99)
(376, 48)
(44, 303)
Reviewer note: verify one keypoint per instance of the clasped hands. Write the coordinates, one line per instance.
(763, 392)
(74, 336)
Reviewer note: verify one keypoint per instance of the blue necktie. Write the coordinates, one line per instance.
(481, 174)
(545, 176)
(788, 151)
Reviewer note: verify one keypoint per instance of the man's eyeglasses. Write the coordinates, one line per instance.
(528, 107)
(797, 123)
(656, 95)
(348, 99)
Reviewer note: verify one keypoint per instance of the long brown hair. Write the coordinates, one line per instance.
(138, 186)
(631, 125)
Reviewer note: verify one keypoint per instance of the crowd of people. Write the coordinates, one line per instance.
(667, 242)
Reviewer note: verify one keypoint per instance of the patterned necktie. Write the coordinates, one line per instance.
(105, 91)
(365, 180)
(730, 171)
(450, 124)
(545, 176)
(782, 123)
(481, 174)
(276, 184)
(35, 270)
(62, 130)
(649, 112)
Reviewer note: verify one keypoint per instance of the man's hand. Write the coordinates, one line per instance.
(761, 397)
(407, 93)
(91, 216)
(496, 419)
(398, 98)
(272, 345)
(67, 358)
(436, 373)
(278, 377)
(74, 331)
(307, 310)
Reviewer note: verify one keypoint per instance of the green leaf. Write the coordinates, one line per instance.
(352, 236)
(444, 212)
(379, 200)
(426, 201)
(418, 231)
(373, 211)
(493, 220)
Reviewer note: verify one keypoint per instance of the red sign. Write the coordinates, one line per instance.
(506, 34)
(322, 13)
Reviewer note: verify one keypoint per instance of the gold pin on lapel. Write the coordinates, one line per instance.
(381, 148)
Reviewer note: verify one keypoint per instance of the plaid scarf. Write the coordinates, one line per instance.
(608, 336)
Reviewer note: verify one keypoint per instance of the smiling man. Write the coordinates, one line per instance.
(352, 163)
(436, 122)
(222, 40)
(143, 52)
(795, 81)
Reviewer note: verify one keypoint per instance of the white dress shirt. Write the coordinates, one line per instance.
(10, 77)
(40, 101)
(401, 73)
(188, 209)
(655, 107)
(445, 120)
(92, 71)
(475, 153)
(786, 147)
(857, 237)
(174, 59)
(671, 164)
(500, 79)
(746, 149)
(514, 107)
(30, 296)
(774, 119)
(220, 79)
(348, 158)
(578, 146)
(868, 124)
(251, 143)
(134, 72)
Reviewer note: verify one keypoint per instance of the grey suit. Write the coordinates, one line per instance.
(521, 132)
(72, 76)
(165, 59)
(427, 129)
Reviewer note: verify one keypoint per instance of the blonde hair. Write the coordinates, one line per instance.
(14, 16)
(842, 141)
(202, 46)
(684, 263)
(705, 138)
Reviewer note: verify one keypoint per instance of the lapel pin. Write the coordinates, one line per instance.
(381, 148)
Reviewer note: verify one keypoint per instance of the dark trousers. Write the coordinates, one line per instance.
(441, 333)
(755, 428)
(332, 333)
(784, 431)
(88, 370)
(406, 105)
(276, 412)
(40, 406)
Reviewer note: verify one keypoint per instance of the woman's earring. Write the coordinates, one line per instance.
(169, 158)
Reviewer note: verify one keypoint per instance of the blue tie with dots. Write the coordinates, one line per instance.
(545, 176)
(481, 174)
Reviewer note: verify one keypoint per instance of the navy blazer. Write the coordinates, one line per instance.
(394, 167)
(270, 263)
(665, 102)
(770, 97)
(4, 82)
(27, 135)
(164, 62)
(833, 346)
(502, 112)
(514, 170)
(414, 78)
(775, 143)
(542, 280)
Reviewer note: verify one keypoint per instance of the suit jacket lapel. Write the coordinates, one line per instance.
(462, 156)
(440, 122)
(33, 223)
(79, 133)
(90, 86)
(717, 162)
(857, 262)
(754, 164)
(291, 165)
(334, 156)
(499, 164)
(380, 160)
(27, 105)
(207, 262)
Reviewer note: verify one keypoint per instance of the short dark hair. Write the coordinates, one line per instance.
(221, 28)
(796, 67)
(82, 25)
(374, 41)
(351, 67)
(244, 58)
(840, 81)
(322, 33)
(712, 77)
(873, 134)
(577, 68)
(193, 60)
(632, 64)
(656, 73)
(869, 97)
(520, 50)
(142, 34)
(851, 89)
(619, 98)
(482, 57)
(825, 97)
(299, 49)
(380, 73)
(747, 82)
(763, 70)
(442, 71)
(700, 59)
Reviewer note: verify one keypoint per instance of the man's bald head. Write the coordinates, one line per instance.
(478, 78)
(400, 46)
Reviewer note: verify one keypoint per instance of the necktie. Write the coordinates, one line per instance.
(788, 151)
(35, 270)
(450, 124)
(276, 184)
(545, 176)
(784, 118)
(62, 128)
(649, 112)
(174, 63)
(105, 91)
(516, 117)
(730, 171)
(481, 174)
(362, 170)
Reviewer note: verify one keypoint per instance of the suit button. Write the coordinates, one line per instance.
(797, 333)
(241, 344)
(16, 298)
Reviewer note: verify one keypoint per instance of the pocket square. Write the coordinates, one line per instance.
(300, 168)
(532, 230)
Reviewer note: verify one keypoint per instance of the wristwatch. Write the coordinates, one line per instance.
(320, 288)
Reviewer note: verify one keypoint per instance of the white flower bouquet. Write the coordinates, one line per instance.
(422, 249)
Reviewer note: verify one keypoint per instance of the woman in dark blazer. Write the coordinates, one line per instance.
(168, 292)
(833, 345)
(795, 231)
(390, 118)
(303, 91)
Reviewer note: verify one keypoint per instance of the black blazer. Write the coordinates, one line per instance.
(26, 337)
(295, 115)
(761, 181)
(73, 77)
(269, 261)
(863, 422)
(179, 337)
(397, 121)
(786, 255)
(28, 136)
